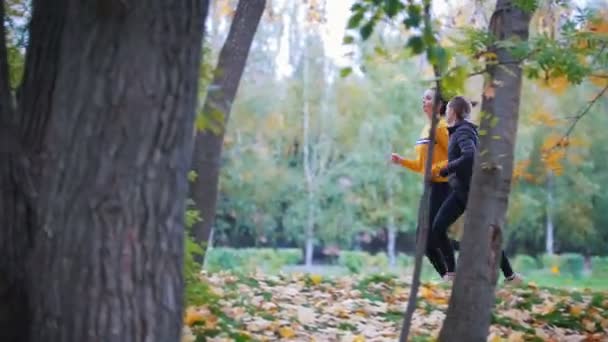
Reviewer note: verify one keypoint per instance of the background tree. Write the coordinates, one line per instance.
(216, 110)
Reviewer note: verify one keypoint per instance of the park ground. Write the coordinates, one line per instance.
(328, 305)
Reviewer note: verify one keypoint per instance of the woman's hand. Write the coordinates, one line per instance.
(396, 159)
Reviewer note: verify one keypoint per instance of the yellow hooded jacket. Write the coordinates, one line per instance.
(440, 153)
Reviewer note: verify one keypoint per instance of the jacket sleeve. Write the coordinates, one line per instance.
(416, 165)
(467, 152)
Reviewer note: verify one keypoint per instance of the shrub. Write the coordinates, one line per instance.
(599, 266)
(525, 263)
(569, 263)
(223, 259)
(404, 261)
(354, 261)
(248, 259)
(289, 256)
(197, 292)
(573, 264)
(550, 260)
(378, 261)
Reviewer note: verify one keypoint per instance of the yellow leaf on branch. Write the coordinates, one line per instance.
(600, 23)
(599, 80)
(557, 85)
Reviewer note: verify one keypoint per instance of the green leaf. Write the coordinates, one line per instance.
(526, 5)
(379, 50)
(344, 72)
(453, 82)
(348, 40)
(416, 44)
(367, 29)
(438, 57)
(355, 20)
(413, 16)
(392, 7)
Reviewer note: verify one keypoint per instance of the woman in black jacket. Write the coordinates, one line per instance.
(462, 148)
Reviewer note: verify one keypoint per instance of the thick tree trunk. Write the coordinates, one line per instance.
(472, 300)
(107, 107)
(220, 96)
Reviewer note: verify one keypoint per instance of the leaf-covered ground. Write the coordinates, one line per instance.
(313, 308)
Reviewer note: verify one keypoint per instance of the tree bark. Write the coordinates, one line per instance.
(105, 119)
(472, 300)
(206, 160)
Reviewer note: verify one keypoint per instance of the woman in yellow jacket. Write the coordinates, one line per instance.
(440, 188)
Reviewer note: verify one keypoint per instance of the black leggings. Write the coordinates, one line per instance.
(439, 192)
(451, 209)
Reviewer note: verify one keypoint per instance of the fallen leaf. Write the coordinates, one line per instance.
(316, 279)
(589, 325)
(516, 336)
(187, 335)
(306, 315)
(286, 332)
(359, 338)
(575, 310)
(494, 338)
(195, 315)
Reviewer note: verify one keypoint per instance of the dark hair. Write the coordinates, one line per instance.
(461, 107)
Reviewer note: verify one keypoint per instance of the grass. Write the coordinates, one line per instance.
(542, 278)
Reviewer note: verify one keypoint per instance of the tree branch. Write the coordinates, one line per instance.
(576, 118)
(423, 210)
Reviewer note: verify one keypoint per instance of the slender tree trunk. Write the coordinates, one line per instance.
(392, 238)
(308, 171)
(206, 160)
(106, 107)
(391, 228)
(472, 300)
(550, 229)
(425, 200)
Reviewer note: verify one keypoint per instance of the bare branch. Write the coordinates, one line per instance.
(576, 118)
